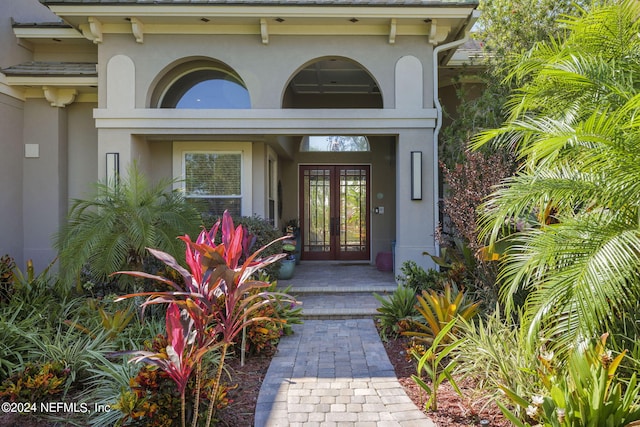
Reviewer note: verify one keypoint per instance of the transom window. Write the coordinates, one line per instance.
(213, 182)
(335, 143)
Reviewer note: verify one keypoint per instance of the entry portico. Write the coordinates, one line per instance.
(308, 68)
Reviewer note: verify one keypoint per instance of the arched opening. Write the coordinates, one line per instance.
(332, 83)
(201, 84)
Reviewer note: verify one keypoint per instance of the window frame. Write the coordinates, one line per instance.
(181, 149)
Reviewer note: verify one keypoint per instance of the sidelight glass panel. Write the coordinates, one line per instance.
(317, 210)
(353, 210)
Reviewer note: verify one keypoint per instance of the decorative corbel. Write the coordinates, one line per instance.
(95, 30)
(392, 30)
(264, 31)
(437, 34)
(137, 27)
(59, 97)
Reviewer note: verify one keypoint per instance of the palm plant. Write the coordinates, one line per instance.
(111, 230)
(571, 213)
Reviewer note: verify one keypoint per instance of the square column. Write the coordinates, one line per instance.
(45, 176)
(416, 219)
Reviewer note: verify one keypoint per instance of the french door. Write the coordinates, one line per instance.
(334, 209)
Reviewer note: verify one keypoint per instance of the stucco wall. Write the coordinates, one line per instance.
(44, 179)
(11, 128)
(83, 149)
(265, 69)
(11, 111)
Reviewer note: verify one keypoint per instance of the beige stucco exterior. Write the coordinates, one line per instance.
(134, 47)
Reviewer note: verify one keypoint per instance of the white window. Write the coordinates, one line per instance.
(214, 178)
(212, 182)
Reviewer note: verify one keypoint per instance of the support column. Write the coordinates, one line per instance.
(128, 147)
(45, 176)
(415, 222)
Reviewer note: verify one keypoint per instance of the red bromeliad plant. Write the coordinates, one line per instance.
(215, 304)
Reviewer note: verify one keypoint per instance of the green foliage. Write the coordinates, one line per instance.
(396, 311)
(495, 355)
(107, 381)
(510, 27)
(263, 335)
(505, 29)
(437, 364)
(15, 327)
(437, 310)
(150, 397)
(573, 125)
(37, 382)
(264, 233)
(7, 266)
(35, 311)
(77, 350)
(586, 392)
(111, 230)
(415, 277)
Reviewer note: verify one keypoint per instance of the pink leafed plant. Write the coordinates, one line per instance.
(214, 304)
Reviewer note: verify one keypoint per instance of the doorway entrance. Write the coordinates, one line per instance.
(334, 210)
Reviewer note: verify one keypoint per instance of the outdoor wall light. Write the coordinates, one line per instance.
(113, 168)
(416, 175)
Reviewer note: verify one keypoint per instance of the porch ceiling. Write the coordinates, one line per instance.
(333, 76)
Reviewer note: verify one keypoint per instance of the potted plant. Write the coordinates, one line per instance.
(288, 264)
(293, 229)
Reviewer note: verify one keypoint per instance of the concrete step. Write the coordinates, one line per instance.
(350, 304)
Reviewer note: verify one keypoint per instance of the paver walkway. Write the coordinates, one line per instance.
(334, 373)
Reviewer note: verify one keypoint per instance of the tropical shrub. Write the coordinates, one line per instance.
(151, 398)
(415, 277)
(77, 350)
(7, 266)
(264, 233)
(437, 310)
(495, 354)
(438, 364)
(262, 336)
(212, 308)
(111, 230)
(37, 382)
(109, 379)
(586, 392)
(396, 311)
(14, 347)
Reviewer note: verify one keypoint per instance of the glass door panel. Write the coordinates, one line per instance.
(334, 212)
(353, 210)
(316, 227)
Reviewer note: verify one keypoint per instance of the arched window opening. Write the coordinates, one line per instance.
(332, 83)
(334, 143)
(203, 85)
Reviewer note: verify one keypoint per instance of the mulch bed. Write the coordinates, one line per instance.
(453, 411)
